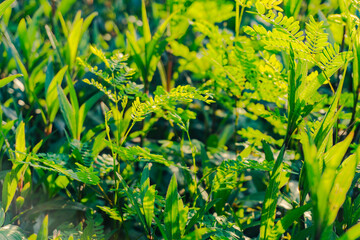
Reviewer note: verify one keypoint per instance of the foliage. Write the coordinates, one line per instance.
(188, 119)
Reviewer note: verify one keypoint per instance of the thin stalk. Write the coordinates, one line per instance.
(12, 155)
(239, 16)
(117, 138)
(105, 195)
(126, 134)
(112, 153)
(237, 19)
(169, 72)
(356, 99)
(237, 116)
(181, 145)
(194, 163)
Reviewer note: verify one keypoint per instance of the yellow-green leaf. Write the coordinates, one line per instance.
(8, 79)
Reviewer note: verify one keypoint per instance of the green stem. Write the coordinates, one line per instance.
(239, 16)
(237, 19)
(126, 134)
(194, 163)
(107, 129)
(237, 116)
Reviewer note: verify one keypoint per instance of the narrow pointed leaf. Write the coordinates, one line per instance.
(43, 232)
(290, 217)
(148, 204)
(341, 186)
(5, 5)
(8, 191)
(352, 233)
(146, 26)
(67, 111)
(271, 197)
(172, 211)
(8, 79)
(74, 40)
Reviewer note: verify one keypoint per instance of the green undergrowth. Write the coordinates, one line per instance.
(187, 119)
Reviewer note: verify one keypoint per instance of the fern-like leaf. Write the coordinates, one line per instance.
(165, 100)
(316, 38)
(112, 213)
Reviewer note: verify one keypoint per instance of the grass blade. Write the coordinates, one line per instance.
(67, 111)
(132, 200)
(352, 233)
(172, 217)
(5, 5)
(148, 204)
(283, 224)
(146, 26)
(43, 232)
(8, 79)
(271, 197)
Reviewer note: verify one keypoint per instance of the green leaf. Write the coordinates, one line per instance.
(8, 191)
(23, 38)
(74, 40)
(200, 214)
(148, 204)
(146, 26)
(112, 213)
(183, 216)
(292, 86)
(65, 6)
(155, 48)
(8, 79)
(43, 232)
(334, 156)
(260, 8)
(87, 175)
(84, 109)
(51, 96)
(161, 228)
(87, 22)
(2, 216)
(313, 168)
(19, 201)
(352, 233)
(356, 66)
(11, 232)
(269, 156)
(271, 197)
(341, 186)
(172, 217)
(5, 5)
(145, 181)
(20, 142)
(197, 234)
(332, 160)
(290, 217)
(67, 111)
(139, 60)
(132, 199)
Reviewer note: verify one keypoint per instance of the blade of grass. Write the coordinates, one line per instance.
(8, 79)
(172, 211)
(271, 197)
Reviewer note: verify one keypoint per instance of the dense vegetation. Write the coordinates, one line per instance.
(179, 119)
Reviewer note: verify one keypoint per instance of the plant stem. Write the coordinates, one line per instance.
(194, 163)
(237, 20)
(237, 116)
(169, 72)
(239, 16)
